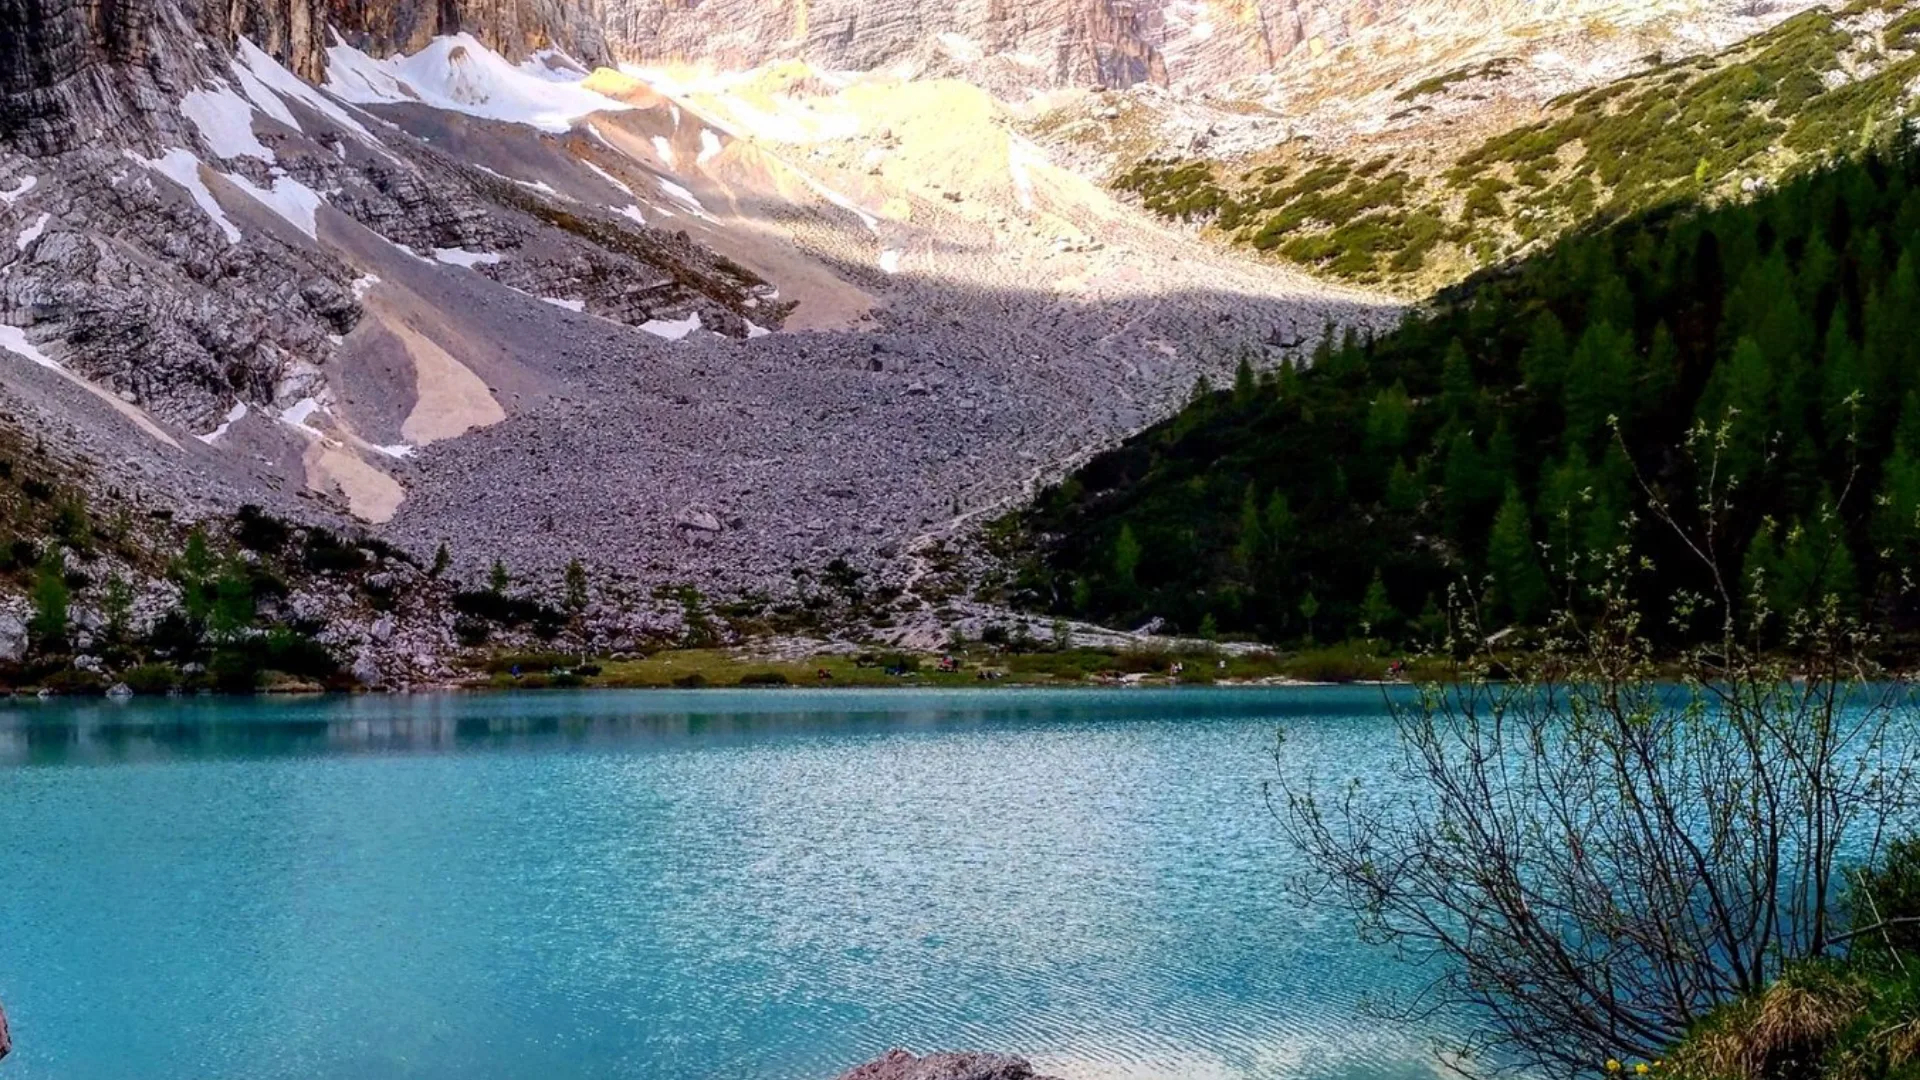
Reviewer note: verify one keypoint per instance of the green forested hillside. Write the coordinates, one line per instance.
(1822, 83)
(1475, 443)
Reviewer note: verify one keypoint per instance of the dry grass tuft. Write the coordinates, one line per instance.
(1782, 1032)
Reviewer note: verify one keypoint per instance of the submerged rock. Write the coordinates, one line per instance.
(903, 1065)
(6, 1041)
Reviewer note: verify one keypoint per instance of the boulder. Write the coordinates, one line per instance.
(695, 519)
(13, 637)
(904, 1065)
(6, 1041)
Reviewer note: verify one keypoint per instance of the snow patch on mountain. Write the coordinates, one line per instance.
(460, 74)
(183, 168)
(288, 197)
(463, 257)
(672, 329)
(32, 232)
(14, 340)
(225, 122)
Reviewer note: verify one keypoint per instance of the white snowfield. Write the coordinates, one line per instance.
(289, 198)
(183, 168)
(234, 416)
(609, 178)
(259, 72)
(14, 340)
(32, 232)
(19, 190)
(463, 257)
(460, 74)
(225, 122)
(672, 329)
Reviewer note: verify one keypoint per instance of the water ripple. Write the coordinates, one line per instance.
(755, 887)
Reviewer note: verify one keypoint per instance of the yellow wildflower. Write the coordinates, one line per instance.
(1613, 1065)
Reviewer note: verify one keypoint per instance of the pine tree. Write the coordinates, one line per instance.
(1389, 419)
(1597, 383)
(117, 609)
(1403, 489)
(442, 558)
(1844, 381)
(498, 579)
(1656, 374)
(1544, 362)
(1376, 608)
(1458, 390)
(1126, 557)
(47, 629)
(1281, 528)
(193, 571)
(1245, 387)
(1519, 586)
(233, 608)
(1250, 546)
(576, 584)
(1465, 481)
(1744, 398)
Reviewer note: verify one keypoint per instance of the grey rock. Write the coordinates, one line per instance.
(699, 520)
(903, 1065)
(13, 637)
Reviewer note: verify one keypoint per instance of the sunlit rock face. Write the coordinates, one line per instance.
(1183, 44)
(72, 68)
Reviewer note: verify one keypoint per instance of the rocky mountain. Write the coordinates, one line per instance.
(1186, 45)
(439, 275)
(1503, 153)
(708, 331)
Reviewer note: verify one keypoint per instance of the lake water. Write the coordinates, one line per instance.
(748, 886)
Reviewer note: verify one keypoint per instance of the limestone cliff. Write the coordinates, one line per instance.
(1184, 44)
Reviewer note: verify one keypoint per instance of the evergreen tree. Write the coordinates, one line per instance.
(1245, 387)
(1457, 388)
(193, 571)
(116, 607)
(1544, 363)
(1126, 557)
(47, 629)
(1389, 419)
(576, 585)
(498, 578)
(1309, 608)
(1519, 586)
(233, 610)
(1403, 490)
(1597, 383)
(442, 559)
(1377, 610)
(1281, 527)
(1466, 483)
(1251, 546)
(1656, 374)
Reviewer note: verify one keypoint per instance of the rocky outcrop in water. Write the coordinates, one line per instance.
(903, 1065)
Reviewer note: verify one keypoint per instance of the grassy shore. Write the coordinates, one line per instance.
(972, 667)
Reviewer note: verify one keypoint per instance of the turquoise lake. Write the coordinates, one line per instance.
(688, 885)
